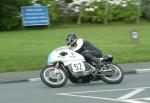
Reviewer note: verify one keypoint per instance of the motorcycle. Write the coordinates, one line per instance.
(64, 64)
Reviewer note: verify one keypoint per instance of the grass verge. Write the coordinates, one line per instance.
(28, 49)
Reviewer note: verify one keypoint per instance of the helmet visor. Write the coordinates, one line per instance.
(69, 41)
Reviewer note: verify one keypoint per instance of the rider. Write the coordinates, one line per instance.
(85, 48)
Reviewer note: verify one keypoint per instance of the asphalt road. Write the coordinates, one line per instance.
(10, 77)
(133, 89)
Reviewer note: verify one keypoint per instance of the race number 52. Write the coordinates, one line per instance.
(78, 66)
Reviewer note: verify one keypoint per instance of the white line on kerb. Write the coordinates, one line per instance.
(34, 79)
(132, 93)
(143, 70)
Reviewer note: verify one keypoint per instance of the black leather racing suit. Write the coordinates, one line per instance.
(89, 52)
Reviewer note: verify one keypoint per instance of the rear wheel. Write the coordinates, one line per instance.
(112, 74)
(53, 77)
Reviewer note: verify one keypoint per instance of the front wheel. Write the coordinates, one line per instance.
(53, 77)
(113, 74)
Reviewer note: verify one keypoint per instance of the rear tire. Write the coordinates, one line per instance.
(116, 70)
(53, 77)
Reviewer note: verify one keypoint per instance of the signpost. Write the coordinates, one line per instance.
(34, 15)
(134, 36)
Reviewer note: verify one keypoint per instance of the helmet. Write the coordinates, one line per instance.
(71, 39)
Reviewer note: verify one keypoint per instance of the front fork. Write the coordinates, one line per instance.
(56, 66)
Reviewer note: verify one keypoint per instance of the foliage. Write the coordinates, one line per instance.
(91, 11)
(9, 13)
(144, 2)
(128, 13)
(146, 9)
(57, 9)
(99, 13)
(100, 10)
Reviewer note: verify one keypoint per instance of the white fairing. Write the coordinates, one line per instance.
(71, 56)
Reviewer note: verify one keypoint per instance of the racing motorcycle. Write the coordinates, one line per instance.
(64, 64)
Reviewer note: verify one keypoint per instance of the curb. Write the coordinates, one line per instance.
(130, 72)
(137, 71)
(14, 81)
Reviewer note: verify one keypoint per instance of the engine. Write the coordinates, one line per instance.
(89, 69)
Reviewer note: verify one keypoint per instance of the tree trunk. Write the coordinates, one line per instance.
(79, 18)
(79, 21)
(106, 13)
(139, 11)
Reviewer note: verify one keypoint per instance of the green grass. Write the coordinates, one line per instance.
(28, 49)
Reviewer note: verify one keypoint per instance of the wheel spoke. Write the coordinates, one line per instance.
(54, 76)
(115, 73)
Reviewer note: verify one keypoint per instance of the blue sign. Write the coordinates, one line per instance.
(34, 15)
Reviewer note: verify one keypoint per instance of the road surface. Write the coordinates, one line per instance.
(134, 88)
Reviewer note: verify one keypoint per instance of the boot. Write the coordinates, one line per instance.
(98, 63)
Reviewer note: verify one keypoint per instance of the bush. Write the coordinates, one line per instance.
(128, 13)
(9, 13)
(99, 14)
(57, 9)
(146, 9)
(91, 11)
(100, 11)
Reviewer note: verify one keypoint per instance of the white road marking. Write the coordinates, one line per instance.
(121, 99)
(110, 99)
(102, 98)
(133, 101)
(111, 90)
(132, 93)
(147, 98)
(92, 97)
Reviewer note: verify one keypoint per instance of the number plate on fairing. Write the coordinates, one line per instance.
(78, 66)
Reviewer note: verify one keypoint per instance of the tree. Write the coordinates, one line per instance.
(139, 10)
(146, 9)
(10, 13)
(57, 9)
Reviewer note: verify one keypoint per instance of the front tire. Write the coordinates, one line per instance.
(53, 77)
(115, 76)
